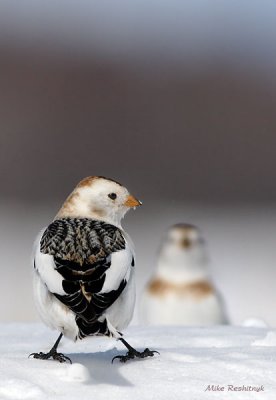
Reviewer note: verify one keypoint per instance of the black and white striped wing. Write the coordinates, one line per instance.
(89, 268)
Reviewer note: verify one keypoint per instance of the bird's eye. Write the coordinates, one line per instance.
(112, 196)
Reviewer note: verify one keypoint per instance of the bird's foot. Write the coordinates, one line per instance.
(52, 354)
(131, 354)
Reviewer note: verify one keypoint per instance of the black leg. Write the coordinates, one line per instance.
(52, 353)
(132, 353)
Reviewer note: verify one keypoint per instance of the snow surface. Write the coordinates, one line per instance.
(190, 360)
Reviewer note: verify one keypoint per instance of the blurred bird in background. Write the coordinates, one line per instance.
(180, 292)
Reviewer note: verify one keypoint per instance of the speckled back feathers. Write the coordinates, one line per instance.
(81, 240)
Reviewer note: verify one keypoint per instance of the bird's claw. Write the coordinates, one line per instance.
(61, 358)
(124, 358)
(54, 355)
(135, 354)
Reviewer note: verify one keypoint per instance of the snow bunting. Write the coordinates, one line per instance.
(180, 291)
(84, 267)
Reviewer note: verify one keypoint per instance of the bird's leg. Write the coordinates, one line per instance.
(132, 353)
(52, 353)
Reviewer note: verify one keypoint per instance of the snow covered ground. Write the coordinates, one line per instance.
(190, 360)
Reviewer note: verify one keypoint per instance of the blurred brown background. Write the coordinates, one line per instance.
(174, 99)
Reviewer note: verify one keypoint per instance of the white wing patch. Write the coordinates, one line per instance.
(45, 266)
(119, 269)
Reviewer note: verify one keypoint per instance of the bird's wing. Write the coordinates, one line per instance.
(88, 265)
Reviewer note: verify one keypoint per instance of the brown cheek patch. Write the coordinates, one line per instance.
(98, 211)
(69, 205)
(196, 290)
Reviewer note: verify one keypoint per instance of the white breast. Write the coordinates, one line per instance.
(172, 309)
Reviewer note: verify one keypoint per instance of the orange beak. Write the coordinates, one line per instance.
(131, 201)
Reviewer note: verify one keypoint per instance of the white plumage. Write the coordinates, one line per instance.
(180, 291)
(84, 266)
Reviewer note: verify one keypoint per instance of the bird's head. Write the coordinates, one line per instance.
(100, 198)
(183, 243)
